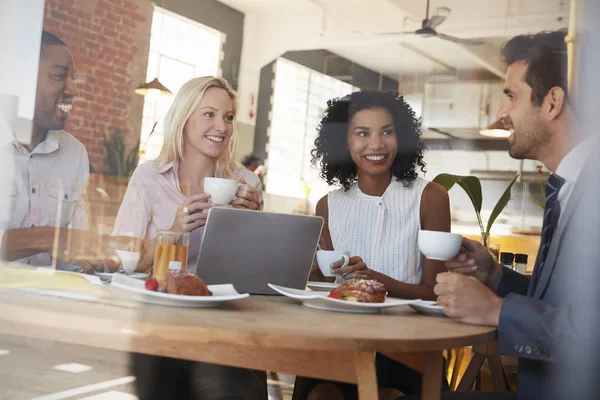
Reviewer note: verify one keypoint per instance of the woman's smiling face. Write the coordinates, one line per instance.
(372, 141)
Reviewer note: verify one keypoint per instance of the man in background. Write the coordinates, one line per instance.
(252, 163)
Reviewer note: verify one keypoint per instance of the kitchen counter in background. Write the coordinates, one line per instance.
(503, 235)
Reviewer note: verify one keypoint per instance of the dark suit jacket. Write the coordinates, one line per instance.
(538, 320)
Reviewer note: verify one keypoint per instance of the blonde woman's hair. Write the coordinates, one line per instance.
(185, 103)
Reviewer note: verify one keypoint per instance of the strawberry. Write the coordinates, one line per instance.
(334, 295)
(151, 284)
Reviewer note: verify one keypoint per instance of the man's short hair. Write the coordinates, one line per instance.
(50, 39)
(546, 56)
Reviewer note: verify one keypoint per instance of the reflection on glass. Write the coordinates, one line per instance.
(299, 96)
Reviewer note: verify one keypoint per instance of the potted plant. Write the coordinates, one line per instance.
(118, 163)
(472, 186)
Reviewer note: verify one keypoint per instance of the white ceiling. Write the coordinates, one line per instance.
(410, 54)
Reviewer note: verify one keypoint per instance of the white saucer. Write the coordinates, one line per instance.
(321, 286)
(108, 276)
(320, 301)
(427, 307)
(221, 294)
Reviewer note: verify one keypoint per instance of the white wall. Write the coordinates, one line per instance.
(20, 36)
(270, 33)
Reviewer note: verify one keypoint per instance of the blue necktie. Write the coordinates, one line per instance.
(551, 216)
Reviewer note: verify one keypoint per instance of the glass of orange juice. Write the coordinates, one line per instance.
(170, 246)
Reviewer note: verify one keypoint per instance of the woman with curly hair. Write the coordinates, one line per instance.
(370, 143)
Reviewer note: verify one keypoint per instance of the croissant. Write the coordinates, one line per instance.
(361, 291)
(186, 284)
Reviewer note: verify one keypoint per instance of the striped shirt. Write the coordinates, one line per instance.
(382, 230)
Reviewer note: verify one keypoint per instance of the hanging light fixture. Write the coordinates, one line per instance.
(496, 129)
(153, 87)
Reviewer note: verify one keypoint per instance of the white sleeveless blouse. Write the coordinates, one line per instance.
(382, 230)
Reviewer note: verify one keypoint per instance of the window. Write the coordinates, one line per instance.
(300, 97)
(180, 49)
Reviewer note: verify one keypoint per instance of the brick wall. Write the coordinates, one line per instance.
(109, 40)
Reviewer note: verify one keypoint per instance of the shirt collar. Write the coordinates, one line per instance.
(572, 164)
(172, 165)
(49, 145)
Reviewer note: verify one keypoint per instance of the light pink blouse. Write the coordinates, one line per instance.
(151, 201)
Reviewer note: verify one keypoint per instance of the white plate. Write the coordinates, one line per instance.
(319, 300)
(107, 276)
(427, 307)
(322, 286)
(221, 294)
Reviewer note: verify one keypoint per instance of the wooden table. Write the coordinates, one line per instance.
(261, 332)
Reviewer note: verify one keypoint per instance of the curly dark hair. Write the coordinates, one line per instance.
(331, 145)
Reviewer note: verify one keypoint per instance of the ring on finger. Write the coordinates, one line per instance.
(186, 211)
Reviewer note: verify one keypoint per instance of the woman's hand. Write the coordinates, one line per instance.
(356, 269)
(190, 214)
(246, 197)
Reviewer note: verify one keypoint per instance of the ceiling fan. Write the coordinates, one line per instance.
(428, 27)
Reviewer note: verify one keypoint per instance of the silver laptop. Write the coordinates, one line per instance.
(252, 248)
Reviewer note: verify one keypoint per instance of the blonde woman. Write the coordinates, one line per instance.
(168, 194)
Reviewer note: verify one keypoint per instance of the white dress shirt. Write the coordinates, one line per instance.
(571, 166)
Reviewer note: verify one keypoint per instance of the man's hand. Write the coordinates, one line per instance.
(476, 261)
(84, 248)
(467, 300)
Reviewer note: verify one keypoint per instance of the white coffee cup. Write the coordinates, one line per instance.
(441, 246)
(129, 260)
(222, 191)
(327, 257)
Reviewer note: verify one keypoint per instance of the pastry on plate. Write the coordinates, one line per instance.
(179, 283)
(186, 284)
(361, 291)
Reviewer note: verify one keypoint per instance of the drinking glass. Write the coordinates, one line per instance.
(170, 246)
(494, 250)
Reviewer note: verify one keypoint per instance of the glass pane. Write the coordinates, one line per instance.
(180, 49)
(299, 99)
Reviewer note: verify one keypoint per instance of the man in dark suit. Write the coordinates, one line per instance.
(536, 317)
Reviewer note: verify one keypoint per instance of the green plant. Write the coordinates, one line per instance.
(472, 186)
(118, 163)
